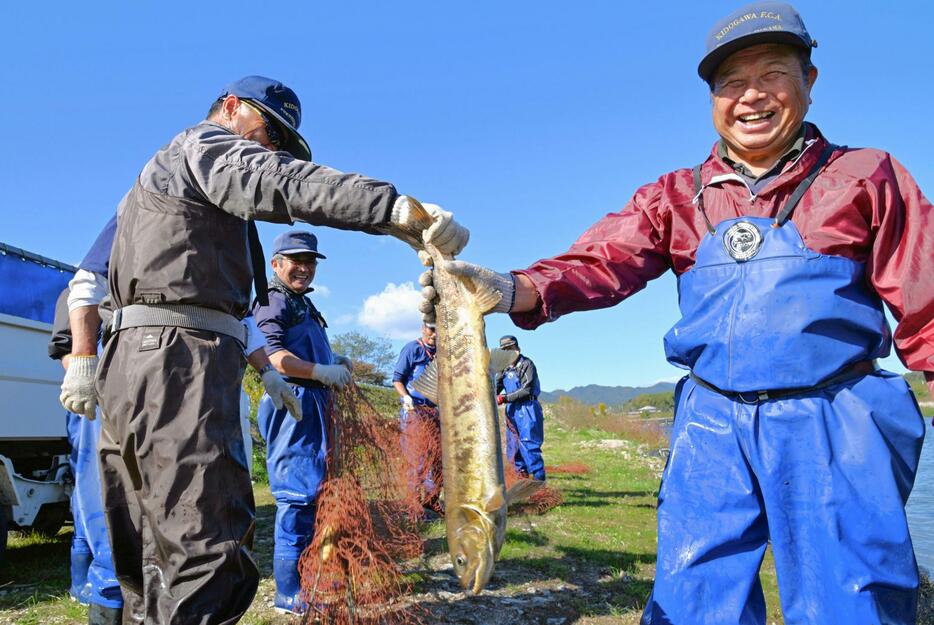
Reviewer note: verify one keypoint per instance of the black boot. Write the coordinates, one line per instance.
(101, 615)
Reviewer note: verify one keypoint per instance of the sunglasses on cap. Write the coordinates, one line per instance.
(272, 130)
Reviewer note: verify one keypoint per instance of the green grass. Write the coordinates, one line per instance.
(602, 535)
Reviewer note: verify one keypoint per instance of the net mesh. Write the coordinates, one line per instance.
(382, 481)
(366, 524)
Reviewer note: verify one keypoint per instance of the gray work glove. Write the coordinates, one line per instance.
(408, 403)
(483, 278)
(441, 231)
(344, 361)
(78, 393)
(331, 375)
(281, 393)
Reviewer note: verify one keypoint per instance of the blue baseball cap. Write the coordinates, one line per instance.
(508, 341)
(296, 242)
(280, 103)
(762, 22)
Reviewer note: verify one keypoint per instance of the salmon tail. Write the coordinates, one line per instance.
(419, 214)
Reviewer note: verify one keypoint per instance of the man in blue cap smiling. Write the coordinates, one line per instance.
(296, 447)
(786, 432)
(176, 485)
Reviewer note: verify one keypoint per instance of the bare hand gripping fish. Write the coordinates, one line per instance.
(459, 381)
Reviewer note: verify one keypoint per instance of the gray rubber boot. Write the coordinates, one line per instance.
(101, 615)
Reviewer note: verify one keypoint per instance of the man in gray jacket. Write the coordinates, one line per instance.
(176, 487)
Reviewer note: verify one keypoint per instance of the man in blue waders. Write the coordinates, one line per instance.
(518, 388)
(413, 358)
(93, 579)
(298, 348)
(785, 246)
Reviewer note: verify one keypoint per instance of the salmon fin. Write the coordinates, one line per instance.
(502, 358)
(496, 501)
(427, 382)
(522, 490)
(485, 297)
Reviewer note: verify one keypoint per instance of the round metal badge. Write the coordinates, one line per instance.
(742, 240)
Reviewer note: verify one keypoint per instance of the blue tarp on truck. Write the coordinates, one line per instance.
(30, 284)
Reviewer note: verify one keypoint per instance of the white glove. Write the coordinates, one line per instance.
(281, 393)
(483, 278)
(443, 232)
(343, 361)
(407, 403)
(331, 375)
(78, 393)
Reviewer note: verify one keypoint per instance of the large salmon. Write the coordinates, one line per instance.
(460, 381)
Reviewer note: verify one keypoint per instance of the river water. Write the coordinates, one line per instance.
(921, 504)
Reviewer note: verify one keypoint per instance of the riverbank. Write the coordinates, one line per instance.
(590, 561)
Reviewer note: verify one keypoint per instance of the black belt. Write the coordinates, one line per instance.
(857, 370)
(306, 383)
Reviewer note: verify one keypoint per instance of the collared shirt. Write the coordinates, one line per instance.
(757, 183)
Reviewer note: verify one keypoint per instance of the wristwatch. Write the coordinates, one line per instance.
(266, 369)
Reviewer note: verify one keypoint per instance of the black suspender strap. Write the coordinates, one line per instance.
(699, 198)
(259, 265)
(803, 186)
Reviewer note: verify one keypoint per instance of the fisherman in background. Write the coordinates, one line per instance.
(93, 579)
(786, 433)
(414, 357)
(518, 388)
(296, 445)
(177, 489)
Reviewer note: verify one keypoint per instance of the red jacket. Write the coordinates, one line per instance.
(864, 206)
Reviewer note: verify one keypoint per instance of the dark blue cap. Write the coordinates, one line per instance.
(762, 22)
(508, 341)
(296, 242)
(278, 101)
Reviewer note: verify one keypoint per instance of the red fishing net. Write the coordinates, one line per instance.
(366, 523)
(382, 480)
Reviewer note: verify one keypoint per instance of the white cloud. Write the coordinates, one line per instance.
(394, 312)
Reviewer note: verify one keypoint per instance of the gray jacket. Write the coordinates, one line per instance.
(182, 230)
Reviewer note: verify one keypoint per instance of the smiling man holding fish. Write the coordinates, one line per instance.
(786, 432)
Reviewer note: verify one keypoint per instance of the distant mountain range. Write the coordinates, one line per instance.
(610, 395)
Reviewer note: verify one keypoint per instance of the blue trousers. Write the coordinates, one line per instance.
(91, 536)
(824, 477)
(296, 460)
(524, 445)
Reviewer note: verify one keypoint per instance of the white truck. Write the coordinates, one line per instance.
(35, 480)
(35, 477)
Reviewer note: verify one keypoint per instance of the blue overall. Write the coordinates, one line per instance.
(524, 446)
(413, 360)
(93, 576)
(823, 473)
(296, 452)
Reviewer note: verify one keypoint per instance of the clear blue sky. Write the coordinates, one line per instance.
(529, 120)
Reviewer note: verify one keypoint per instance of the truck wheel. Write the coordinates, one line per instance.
(50, 519)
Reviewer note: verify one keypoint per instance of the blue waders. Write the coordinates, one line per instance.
(295, 459)
(784, 433)
(525, 450)
(93, 580)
